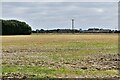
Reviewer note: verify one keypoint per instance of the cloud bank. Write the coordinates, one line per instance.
(53, 15)
(60, 0)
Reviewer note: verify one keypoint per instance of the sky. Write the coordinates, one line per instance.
(58, 15)
(59, 0)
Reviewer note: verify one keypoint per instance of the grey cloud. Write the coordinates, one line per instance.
(60, 0)
(58, 14)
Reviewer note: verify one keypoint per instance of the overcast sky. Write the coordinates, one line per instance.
(54, 15)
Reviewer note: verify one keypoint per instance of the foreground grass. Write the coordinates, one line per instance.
(65, 55)
(45, 72)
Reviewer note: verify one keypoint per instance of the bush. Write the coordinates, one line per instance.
(15, 27)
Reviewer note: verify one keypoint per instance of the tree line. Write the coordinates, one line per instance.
(15, 27)
(90, 30)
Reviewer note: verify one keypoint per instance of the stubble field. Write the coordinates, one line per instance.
(60, 56)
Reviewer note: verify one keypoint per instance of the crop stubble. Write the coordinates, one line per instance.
(65, 55)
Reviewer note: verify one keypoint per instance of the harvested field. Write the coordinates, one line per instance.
(60, 56)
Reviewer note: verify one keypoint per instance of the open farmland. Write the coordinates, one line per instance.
(60, 56)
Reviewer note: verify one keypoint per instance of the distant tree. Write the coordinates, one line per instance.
(58, 30)
(42, 31)
(15, 27)
(37, 30)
